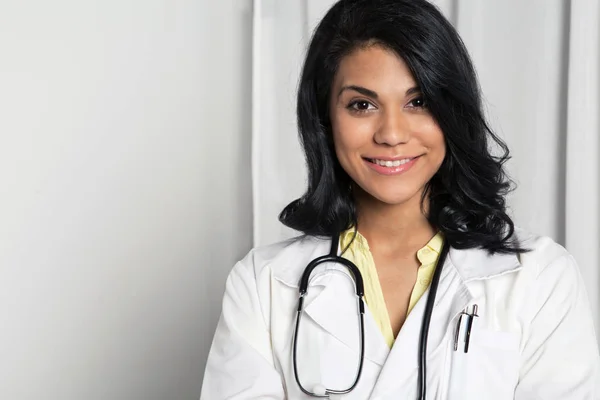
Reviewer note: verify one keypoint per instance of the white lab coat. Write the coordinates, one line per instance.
(533, 340)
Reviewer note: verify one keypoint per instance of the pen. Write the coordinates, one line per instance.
(469, 326)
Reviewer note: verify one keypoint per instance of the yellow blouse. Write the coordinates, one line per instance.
(360, 254)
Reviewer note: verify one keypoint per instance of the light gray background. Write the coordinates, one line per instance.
(125, 193)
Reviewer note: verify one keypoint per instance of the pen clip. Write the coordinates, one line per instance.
(469, 327)
(457, 330)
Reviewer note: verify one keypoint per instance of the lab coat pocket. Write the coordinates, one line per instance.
(490, 368)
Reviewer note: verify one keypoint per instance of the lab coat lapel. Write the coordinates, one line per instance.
(401, 366)
(329, 288)
(335, 309)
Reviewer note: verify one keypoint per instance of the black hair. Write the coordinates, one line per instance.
(467, 194)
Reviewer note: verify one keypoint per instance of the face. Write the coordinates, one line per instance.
(385, 138)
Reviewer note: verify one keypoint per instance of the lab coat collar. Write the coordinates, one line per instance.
(478, 264)
(471, 264)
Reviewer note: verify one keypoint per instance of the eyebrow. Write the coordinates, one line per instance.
(370, 93)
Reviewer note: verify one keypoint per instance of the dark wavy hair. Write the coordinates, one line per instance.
(467, 194)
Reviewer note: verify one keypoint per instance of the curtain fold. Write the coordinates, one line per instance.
(583, 145)
(538, 64)
(280, 36)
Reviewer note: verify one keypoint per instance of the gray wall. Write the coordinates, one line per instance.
(124, 192)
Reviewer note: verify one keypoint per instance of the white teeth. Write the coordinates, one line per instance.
(395, 163)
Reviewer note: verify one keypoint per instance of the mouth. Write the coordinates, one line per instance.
(390, 163)
(391, 167)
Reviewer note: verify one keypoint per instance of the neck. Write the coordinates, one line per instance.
(398, 228)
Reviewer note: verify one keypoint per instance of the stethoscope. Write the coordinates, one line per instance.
(332, 257)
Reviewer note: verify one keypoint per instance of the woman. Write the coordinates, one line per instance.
(400, 174)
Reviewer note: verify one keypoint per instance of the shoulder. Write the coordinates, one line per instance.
(549, 276)
(551, 300)
(544, 254)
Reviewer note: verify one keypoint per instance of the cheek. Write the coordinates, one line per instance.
(351, 134)
(342, 145)
(433, 137)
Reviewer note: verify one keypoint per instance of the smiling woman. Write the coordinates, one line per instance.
(406, 201)
(399, 83)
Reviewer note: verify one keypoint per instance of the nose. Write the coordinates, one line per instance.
(394, 129)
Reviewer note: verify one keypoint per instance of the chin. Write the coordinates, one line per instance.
(395, 197)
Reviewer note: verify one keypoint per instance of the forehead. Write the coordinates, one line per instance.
(374, 66)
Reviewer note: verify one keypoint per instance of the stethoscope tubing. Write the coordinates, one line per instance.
(435, 280)
(359, 285)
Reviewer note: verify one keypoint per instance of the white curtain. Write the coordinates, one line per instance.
(538, 63)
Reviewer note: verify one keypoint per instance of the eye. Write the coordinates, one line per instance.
(360, 106)
(418, 102)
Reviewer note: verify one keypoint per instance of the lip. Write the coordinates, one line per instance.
(400, 169)
(394, 158)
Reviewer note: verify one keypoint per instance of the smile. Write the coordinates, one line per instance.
(389, 167)
(388, 163)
